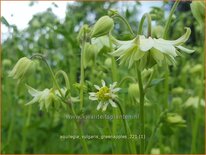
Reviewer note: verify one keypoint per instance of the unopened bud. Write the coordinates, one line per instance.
(22, 68)
(102, 27)
(89, 54)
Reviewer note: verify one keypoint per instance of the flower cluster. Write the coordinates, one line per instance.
(150, 51)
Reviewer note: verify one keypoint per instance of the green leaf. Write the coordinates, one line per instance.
(155, 82)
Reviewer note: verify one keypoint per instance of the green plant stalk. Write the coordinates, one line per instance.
(82, 78)
(41, 57)
(149, 27)
(198, 111)
(83, 142)
(166, 28)
(149, 145)
(125, 22)
(131, 146)
(25, 129)
(114, 78)
(141, 91)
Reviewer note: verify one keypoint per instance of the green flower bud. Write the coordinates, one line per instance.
(108, 62)
(176, 101)
(82, 35)
(175, 119)
(103, 26)
(177, 91)
(6, 62)
(157, 31)
(89, 54)
(198, 11)
(133, 91)
(196, 69)
(155, 151)
(22, 68)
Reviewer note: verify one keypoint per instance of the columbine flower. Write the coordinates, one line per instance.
(105, 95)
(150, 51)
(45, 98)
(22, 68)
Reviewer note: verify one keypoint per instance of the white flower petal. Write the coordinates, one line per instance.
(103, 83)
(97, 87)
(146, 43)
(99, 105)
(105, 106)
(113, 103)
(92, 93)
(165, 48)
(180, 40)
(185, 49)
(33, 92)
(93, 98)
(116, 90)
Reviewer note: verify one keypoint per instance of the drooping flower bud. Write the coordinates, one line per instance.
(108, 62)
(133, 91)
(89, 54)
(177, 90)
(22, 68)
(102, 27)
(6, 62)
(196, 69)
(175, 119)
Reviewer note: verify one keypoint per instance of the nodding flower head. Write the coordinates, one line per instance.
(46, 98)
(147, 52)
(103, 26)
(105, 95)
(22, 68)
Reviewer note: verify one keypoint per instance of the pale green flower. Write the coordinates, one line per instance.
(22, 68)
(150, 51)
(45, 98)
(105, 95)
(194, 102)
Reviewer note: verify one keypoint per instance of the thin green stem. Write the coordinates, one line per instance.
(125, 22)
(141, 91)
(25, 129)
(82, 78)
(82, 140)
(127, 78)
(149, 27)
(66, 79)
(166, 28)
(127, 130)
(41, 57)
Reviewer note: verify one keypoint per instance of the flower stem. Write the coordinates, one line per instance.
(125, 22)
(82, 78)
(166, 83)
(170, 19)
(149, 27)
(141, 90)
(41, 57)
(78, 125)
(128, 132)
